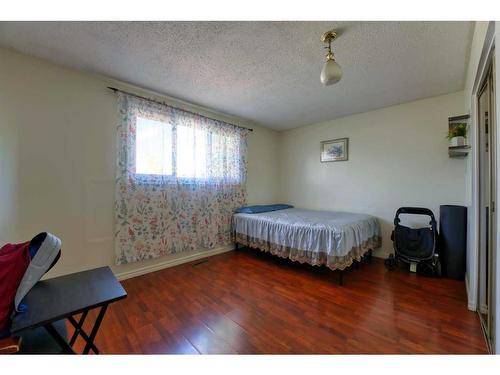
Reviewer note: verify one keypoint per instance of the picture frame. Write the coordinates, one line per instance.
(334, 150)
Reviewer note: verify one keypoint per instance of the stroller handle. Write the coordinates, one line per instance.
(414, 211)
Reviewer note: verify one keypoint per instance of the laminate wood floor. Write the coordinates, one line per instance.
(250, 302)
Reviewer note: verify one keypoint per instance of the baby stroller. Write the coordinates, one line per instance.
(415, 246)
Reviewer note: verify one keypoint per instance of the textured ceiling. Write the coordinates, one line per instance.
(267, 72)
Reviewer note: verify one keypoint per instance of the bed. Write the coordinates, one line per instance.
(319, 238)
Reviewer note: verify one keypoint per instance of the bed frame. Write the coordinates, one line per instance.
(366, 257)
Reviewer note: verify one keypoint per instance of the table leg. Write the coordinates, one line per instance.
(79, 331)
(93, 333)
(67, 349)
(78, 326)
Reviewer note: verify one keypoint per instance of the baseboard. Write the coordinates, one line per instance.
(381, 253)
(172, 262)
(483, 309)
(471, 305)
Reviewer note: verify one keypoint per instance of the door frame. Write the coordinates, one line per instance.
(472, 283)
(488, 84)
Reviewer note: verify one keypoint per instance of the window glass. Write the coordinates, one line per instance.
(153, 147)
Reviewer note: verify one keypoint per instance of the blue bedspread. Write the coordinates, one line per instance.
(257, 209)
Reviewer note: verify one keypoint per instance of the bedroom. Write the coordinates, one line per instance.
(144, 150)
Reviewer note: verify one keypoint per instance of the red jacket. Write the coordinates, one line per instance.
(14, 260)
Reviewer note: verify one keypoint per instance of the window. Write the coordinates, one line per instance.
(191, 152)
(153, 147)
(184, 152)
(171, 165)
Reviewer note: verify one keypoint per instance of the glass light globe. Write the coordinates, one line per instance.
(331, 72)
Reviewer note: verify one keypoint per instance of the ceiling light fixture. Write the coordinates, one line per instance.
(331, 72)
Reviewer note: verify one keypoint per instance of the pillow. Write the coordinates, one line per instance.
(262, 208)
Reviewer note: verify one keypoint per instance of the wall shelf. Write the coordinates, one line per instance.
(458, 151)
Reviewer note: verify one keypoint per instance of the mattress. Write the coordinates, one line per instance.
(333, 239)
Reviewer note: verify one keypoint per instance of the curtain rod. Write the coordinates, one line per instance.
(114, 89)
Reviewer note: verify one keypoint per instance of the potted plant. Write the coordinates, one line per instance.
(457, 134)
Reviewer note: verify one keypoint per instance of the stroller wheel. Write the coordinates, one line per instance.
(427, 268)
(391, 262)
(437, 268)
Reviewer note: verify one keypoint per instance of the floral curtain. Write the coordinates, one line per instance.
(180, 176)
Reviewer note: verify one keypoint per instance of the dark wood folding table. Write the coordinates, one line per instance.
(66, 296)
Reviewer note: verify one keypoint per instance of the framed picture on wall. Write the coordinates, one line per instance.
(335, 150)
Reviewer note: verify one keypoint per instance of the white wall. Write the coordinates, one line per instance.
(8, 168)
(398, 156)
(57, 160)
